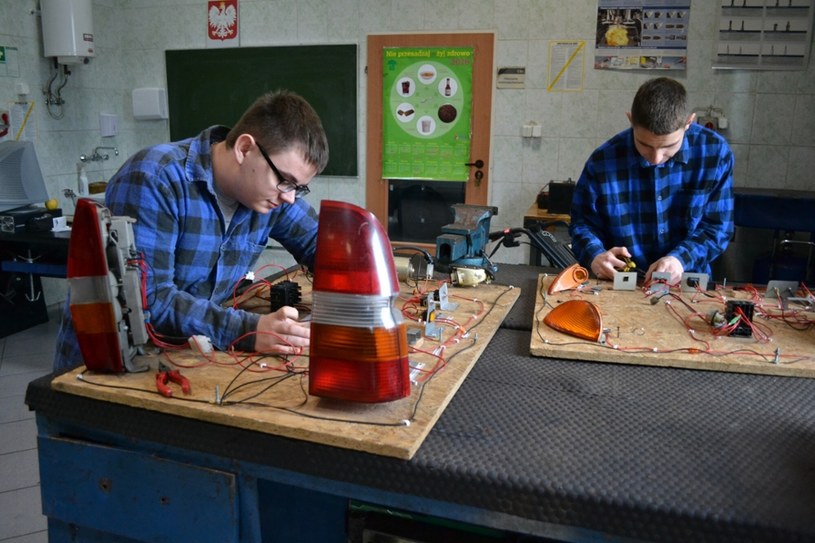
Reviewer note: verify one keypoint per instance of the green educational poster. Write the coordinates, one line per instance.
(428, 104)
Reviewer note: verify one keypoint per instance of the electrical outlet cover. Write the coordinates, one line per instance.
(708, 122)
(625, 280)
(660, 282)
(691, 281)
(780, 289)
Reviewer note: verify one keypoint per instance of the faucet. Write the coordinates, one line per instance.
(69, 193)
(96, 157)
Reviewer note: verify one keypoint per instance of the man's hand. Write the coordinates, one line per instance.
(605, 264)
(667, 264)
(280, 332)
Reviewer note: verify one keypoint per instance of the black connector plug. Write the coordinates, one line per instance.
(284, 293)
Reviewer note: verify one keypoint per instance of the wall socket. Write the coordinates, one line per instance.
(708, 122)
(531, 130)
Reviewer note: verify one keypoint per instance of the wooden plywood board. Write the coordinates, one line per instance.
(639, 332)
(276, 402)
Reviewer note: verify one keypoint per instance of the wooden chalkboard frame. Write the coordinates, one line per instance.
(215, 86)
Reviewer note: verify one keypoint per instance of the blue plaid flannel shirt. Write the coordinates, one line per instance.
(192, 264)
(682, 208)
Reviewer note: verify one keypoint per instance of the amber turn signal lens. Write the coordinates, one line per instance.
(570, 278)
(577, 318)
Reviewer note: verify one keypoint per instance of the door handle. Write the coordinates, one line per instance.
(478, 164)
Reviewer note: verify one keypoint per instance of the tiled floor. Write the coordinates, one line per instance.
(23, 357)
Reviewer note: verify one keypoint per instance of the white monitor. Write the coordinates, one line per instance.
(21, 181)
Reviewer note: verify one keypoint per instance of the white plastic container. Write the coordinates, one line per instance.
(67, 30)
(149, 104)
(81, 180)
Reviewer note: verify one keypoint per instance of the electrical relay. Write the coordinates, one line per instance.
(284, 293)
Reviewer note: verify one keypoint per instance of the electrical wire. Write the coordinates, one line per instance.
(256, 387)
(760, 332)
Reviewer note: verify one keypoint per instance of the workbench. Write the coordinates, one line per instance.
(24, 258)
(528, 449)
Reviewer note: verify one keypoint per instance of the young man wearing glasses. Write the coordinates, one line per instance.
(659, 193)
(205, 208)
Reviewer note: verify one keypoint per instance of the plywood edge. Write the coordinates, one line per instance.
(312, 424)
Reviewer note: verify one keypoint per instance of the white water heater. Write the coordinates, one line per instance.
(67, 30)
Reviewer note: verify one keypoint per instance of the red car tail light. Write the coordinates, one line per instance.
(358, 339)
(106, 308)
(93, 311)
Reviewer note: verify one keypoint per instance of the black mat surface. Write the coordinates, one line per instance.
(646, 453)
(526, 278)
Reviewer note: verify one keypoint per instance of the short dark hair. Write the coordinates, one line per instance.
(660, 106)
(284, 120)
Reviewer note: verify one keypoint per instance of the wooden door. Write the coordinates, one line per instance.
(477, 186)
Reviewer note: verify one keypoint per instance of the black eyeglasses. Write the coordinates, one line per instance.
(283, 184)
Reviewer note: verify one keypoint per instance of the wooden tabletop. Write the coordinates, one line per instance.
(536, 213)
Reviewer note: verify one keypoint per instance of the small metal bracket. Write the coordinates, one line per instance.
(782, 290)
(660, 282)
(431, 329)
(625, 280)
(444, 303)
(691, 282)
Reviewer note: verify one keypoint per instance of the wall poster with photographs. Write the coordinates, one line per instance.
(645, 34)
(426, 122)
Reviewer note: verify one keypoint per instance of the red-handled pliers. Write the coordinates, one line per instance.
(165, 374)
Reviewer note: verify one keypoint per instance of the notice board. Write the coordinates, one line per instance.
(215, 86)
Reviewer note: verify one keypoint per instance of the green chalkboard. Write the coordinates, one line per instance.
(215, 86)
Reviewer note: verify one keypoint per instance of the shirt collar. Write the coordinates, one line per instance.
(682, 156)
(199, 159)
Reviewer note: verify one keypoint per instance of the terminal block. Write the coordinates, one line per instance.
(284, 293)
(743, 328)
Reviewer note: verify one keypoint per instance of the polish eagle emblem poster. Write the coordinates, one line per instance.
(222, 23)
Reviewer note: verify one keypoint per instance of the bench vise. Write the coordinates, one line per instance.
(462, 244)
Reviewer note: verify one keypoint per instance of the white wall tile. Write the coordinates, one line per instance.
(803, 125)
(741, 159)
(767, 166)
(773, 118)
(801, 167)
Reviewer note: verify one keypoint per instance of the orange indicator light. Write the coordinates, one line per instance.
(570, 278)
(577, 318)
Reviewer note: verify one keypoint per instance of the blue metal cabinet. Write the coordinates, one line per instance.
(134, 495)
(105, 493)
